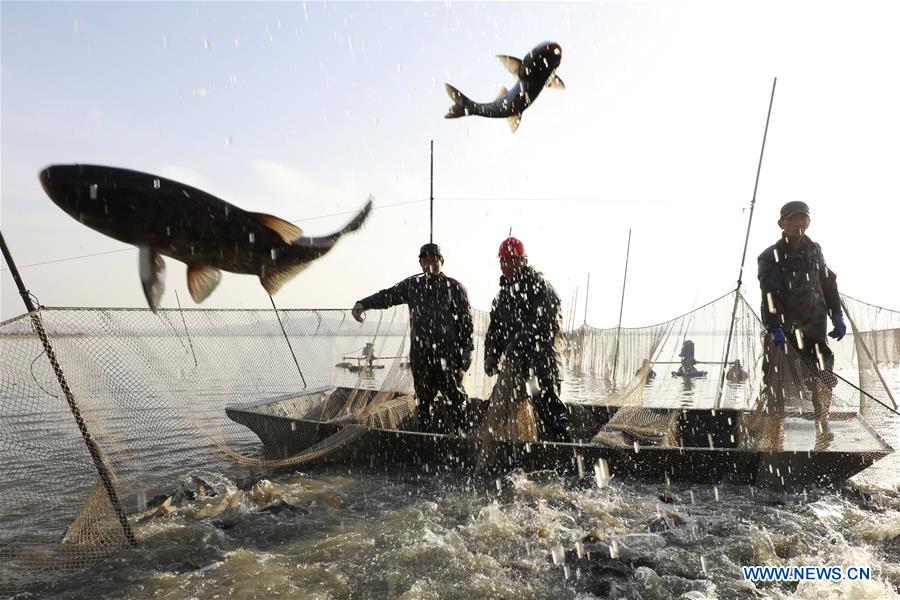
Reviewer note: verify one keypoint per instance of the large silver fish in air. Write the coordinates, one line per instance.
(535, 72)
(166, 218)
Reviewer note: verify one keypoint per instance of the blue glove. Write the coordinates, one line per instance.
(778, 337)
(840, 329)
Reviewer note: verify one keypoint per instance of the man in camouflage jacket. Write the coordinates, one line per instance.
(799, 293)
(440, 324)
(525, 327)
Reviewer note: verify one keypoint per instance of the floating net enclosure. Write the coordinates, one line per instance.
(155, 392)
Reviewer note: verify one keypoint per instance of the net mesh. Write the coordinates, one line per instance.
(157, 392)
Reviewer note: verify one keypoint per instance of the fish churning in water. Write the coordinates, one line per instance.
(535, 72)
(166, 218)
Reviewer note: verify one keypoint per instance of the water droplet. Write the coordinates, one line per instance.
(558, 554)
(156, 184)
(613, 549)
(93, 191)
(252, 237)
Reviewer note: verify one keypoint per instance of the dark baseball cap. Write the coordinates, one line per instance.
(430, 248)
(792, 208)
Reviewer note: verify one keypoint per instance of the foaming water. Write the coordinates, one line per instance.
(334, 533)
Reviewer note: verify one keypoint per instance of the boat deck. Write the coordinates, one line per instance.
(709, 445)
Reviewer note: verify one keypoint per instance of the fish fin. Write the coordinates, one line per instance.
(202, 280)
(511, 63)
(152, 270)
(459, 103)
(286, 231)
(273, 279)
(513, 122)
(503, 92)
(556, 83)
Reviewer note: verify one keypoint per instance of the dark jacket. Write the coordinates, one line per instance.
(801, 288)
(526, 319)
(440, 319)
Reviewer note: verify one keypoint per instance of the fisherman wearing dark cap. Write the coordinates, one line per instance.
(440, 323)
(526, 326)
(799, 293)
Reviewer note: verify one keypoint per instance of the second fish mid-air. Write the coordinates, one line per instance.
(534, 72)
(165, 217)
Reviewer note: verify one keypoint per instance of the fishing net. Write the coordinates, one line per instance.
(153, 392)
(660, 379)
(165, 399)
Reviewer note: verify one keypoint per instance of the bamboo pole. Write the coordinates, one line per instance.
(737, 290)
(621, 306)
(93, 448)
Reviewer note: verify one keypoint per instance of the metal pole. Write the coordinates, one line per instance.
(737, 290)
(93, 448)
(288, 340)
(574, 310)
(621, 306)
(431, 199)
(587, 290)
(184, 323)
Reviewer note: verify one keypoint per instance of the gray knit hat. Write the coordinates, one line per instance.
(792, 208)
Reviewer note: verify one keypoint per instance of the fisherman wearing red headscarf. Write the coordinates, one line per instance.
(525, 327)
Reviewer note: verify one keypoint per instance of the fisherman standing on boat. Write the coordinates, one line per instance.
(526, 324)
(799, 292)
(440, 324)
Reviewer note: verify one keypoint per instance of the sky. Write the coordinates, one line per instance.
(304, 109)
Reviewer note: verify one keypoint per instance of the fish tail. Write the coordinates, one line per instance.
(359, 219)
(461, 103)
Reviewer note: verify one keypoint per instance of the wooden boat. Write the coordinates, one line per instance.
(705, 444)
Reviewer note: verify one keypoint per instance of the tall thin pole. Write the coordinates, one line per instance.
(288, 340)
(431, 199)
(737, 290)
(621, 306)
(574, 310)
(586, 292)
(93, 448)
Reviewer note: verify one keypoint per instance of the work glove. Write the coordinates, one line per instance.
(840, 329)
(778, 337)
(465, 361)
(358, 312)
(490, 366)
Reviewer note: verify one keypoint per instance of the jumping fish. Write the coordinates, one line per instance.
(166, 218)
(535, 72)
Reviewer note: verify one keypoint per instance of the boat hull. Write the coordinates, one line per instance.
(285, 436)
